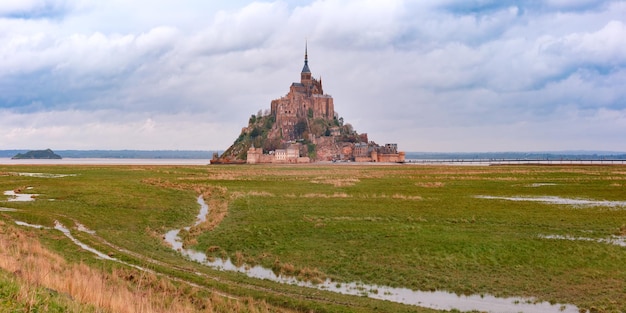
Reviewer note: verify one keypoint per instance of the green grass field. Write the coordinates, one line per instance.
(420, 227)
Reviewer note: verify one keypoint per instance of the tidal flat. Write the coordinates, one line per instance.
(419, 227)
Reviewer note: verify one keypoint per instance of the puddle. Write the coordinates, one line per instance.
(438, 300)
(613, 240)
(45, 175)
(31, 225)
(559, 200)
(19, 197)
(535, 185)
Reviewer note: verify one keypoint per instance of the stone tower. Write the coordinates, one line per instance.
(305, 100)
(305, 75)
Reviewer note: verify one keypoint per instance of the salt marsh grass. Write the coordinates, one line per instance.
(419, 227)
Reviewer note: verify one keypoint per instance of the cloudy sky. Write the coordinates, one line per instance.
(446, 75)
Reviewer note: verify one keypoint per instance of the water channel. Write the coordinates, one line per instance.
(439, 300)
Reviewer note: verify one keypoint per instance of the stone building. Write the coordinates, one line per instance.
(305, 99)
(278, 156)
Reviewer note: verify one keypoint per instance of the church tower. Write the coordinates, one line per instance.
(305, 75)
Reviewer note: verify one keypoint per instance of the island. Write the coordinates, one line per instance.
(37, 154)
(303, 127)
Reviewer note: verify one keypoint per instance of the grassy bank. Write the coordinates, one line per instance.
(420, 227)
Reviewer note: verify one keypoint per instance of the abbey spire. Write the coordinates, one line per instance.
(305, 75)
(306, 69)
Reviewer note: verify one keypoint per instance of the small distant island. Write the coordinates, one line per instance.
(37, 154)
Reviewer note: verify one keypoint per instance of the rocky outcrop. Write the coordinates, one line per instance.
(37, 154)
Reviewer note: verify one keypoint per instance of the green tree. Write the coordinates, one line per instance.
(269, 122)
(255, 132)
(311, 150)
(300, 127)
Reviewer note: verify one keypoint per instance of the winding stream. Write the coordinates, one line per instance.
(439, 300)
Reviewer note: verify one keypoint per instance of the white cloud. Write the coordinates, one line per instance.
(607, 45)
(107, 130)
(424, 74)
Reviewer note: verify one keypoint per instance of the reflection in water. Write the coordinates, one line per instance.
(45, 175)
(559, 200)
(18, 197)
(535, 185)
(439, 300)
(31, 225)
(613, 240)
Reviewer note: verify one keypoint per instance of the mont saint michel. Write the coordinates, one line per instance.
(303, 127)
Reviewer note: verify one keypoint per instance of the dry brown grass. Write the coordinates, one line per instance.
(337, 181)
(430, 184)
(19, 189)
(123, 290)
(239, 259)
(319, 221)
(394, 196)
(323, 195)
(405, 197)
(305, 274)
(239, 194)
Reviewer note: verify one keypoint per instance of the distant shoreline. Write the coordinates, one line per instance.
(124, 154)
(478, 162)
(413, 162)
(104, 161)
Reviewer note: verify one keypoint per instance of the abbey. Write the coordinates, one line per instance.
(305, 99)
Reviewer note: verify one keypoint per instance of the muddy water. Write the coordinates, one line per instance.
(439, 300)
